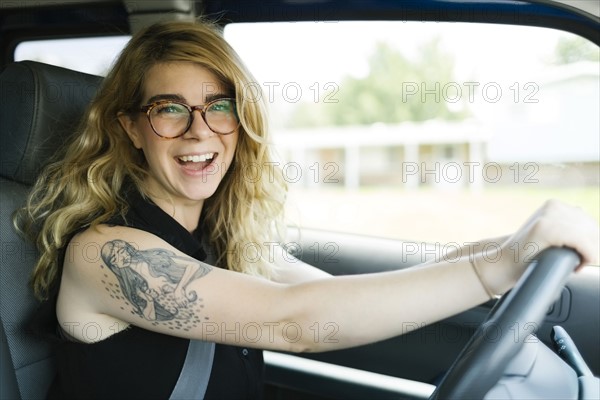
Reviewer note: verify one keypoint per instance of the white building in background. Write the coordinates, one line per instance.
(559, 135)
(407, 153)
(550, 125)
(562, 125)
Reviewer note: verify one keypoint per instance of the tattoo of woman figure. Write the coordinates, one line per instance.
(155, 281)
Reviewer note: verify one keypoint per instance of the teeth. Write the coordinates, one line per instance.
(197, 158)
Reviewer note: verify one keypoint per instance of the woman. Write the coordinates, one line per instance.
(160, 164)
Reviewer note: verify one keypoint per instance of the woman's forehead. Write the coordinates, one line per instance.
(184, 80)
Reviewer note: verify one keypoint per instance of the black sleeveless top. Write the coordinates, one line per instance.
(141, 364)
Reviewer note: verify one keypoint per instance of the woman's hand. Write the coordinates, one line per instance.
(554, 224)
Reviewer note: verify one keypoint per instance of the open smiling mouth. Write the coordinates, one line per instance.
(197, 162)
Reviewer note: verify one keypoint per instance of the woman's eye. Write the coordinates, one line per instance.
(221, 106)
(170, 109)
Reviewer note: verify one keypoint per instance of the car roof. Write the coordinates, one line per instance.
(591, 7)
(32, 19)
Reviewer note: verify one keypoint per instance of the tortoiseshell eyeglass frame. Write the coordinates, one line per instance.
(147, 109)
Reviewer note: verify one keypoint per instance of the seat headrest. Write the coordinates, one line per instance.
(41, 107)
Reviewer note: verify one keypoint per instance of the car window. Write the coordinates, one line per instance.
(91, 55)
(440, 132)
(424, 131)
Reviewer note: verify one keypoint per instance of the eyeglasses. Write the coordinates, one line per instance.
(171, 119)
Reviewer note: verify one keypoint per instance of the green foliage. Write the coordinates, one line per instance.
(572, 49)
(396, 89)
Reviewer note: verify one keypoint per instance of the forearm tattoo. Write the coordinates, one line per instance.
(154, 283)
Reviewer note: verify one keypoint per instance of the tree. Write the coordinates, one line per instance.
(396, 89)
(571, 49)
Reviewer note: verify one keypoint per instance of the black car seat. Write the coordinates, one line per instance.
(41, 106)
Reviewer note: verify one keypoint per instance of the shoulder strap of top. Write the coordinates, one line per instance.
(194, 376)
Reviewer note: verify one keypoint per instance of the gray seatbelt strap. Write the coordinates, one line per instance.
(194, 376)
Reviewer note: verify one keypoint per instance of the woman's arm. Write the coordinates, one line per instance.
(476, 247)
(316, 315)
(233, 308)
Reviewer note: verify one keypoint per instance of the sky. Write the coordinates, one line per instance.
(274, 51)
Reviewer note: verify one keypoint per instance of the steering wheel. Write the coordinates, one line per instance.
(497, 341)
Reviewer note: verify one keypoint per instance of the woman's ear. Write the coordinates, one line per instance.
(130, 126)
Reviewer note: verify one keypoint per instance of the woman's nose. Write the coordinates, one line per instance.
(199, 127)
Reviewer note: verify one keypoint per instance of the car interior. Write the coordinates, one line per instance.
(463, 356)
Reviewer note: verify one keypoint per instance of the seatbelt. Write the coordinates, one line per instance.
(194, 376)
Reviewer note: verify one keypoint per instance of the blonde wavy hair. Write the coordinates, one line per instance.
(85, 188)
